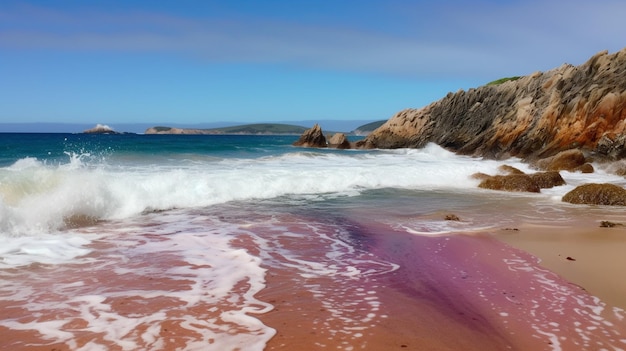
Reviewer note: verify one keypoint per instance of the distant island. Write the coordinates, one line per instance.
(255, 129)
(368, 128)
(101, 129)
(247, 129)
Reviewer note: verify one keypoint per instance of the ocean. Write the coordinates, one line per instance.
(173, 242)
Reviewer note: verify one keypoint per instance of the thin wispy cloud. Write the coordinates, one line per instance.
(461, 40)
(278, 60)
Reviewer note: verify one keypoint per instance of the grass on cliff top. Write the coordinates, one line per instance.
(502, 80)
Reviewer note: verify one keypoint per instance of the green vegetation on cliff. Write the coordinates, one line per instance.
(262, 128)
(252, 129)
(162, 129)
(255, 129)
(502, 80)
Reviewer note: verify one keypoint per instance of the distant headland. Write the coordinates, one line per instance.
(255, 129)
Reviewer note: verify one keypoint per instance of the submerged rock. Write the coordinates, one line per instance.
(597, 194)
(609, 224)
(480, 176)
(617, 168)
(312, 137)
(506, 169)
(452, 217)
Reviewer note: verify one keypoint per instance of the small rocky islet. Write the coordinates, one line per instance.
(562, 119)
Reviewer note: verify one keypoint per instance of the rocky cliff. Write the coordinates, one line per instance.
(532, 117)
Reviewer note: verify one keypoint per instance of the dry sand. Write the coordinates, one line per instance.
(581, 251)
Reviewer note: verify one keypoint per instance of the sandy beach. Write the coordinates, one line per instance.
(581, 251)
(348, 284)
(472, 292)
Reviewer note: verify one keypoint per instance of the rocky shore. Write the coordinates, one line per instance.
(562, 119)
(536, 116)
(532, 117)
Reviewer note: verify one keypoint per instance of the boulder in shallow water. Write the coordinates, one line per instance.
(452, 217)
(511, 182)
(312, 137)
(480, 176)
(586, 168)
(547, 180)
(569, 160)
(597, 194)
(516, 180)
(617, 168)
(506, 169)
(339, 141)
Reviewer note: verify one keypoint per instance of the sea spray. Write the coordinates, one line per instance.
(150, 242)
(36, 197)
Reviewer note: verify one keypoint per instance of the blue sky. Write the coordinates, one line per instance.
(186, 62)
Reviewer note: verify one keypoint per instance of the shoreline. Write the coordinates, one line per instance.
(478, 291)
(419, 310)
(579, 250)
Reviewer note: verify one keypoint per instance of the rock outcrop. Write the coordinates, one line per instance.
(101, 129)
(547, 180)
(570, 160)
(511, 182)
(339, 141)
(513, 179)
(312, 137)
(533, 117)
(597, 194)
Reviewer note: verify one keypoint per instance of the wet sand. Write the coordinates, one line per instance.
(581, 251)
(457, 292)
(376, 288)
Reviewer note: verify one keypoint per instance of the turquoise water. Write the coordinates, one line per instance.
(58, 148)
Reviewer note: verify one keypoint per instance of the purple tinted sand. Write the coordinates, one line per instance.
(503, 291)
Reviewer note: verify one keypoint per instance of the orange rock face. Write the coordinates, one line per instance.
(533, 117)
(312, 137)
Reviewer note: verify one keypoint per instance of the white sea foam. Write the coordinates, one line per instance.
(47, 249)
(38, 199)
(186, 261)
